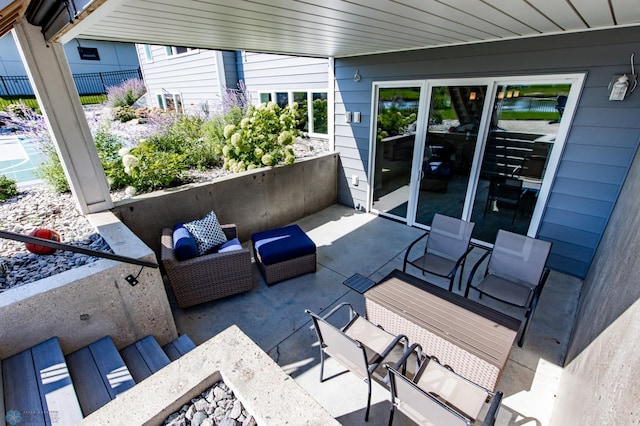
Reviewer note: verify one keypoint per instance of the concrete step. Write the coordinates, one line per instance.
(37, 387)
(179, 347)
(43, 387)
(144, 357)
(99, 374)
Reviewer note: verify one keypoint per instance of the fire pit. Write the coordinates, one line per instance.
(264, 389)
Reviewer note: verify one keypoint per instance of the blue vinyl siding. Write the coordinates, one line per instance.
(114, 56)
(599, 148)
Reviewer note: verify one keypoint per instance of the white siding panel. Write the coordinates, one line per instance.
(192, 75)
(267, 73)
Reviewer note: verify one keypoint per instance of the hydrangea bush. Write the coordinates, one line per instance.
(263, 137)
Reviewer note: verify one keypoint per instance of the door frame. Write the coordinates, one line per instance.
(576, 80)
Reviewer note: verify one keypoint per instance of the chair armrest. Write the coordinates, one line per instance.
(352, 313)
(463, 257)
(230, 230)
(406, 255)
(401, 364)
(492, 413)
(474, 270)
(166, 246)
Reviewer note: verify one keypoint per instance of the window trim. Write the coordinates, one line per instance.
(161, 99)
(170, 51)
(148, 54)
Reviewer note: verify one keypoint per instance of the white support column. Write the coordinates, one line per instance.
(331, 101)
(59, 101)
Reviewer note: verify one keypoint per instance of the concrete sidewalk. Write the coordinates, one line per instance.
(352, 242)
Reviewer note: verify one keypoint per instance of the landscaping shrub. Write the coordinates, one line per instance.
(123, 113)
(51, 171)
(126, 94)
(263, 137)
(8, 188)
(320, 119)
(186, 136)
(108, 146)
(149, 169)
(394, 121)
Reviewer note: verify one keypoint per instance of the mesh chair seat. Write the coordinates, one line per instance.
(435, 264)
(450, 387)
(446, 248)
(508, 291)
(374, 338)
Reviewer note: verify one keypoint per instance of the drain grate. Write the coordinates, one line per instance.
(359, 283)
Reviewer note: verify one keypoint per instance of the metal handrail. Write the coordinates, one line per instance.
(68, 247)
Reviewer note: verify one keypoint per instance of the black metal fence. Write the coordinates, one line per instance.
(88, 84)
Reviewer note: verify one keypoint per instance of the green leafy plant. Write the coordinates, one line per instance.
(262, 138)
(149, 169)
(108, 147)
(123, 113)
(320, 122)
(8, 188)
(51, 171)
(393, 121)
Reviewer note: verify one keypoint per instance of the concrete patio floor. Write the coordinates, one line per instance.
(350, 242)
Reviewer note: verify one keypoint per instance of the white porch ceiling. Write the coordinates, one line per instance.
(340, 28)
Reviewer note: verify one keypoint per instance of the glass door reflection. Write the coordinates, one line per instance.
(454, 118)
(524, 124)
(395, 142)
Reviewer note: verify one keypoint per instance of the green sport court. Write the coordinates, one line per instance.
(19, 157)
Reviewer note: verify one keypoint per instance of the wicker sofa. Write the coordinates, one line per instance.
(208, 277)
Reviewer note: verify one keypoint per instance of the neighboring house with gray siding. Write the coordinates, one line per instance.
(111, 56)
(198, 78)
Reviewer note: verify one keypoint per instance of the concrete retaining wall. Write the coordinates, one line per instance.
(84, 304)
(254, 200)
(599, 384)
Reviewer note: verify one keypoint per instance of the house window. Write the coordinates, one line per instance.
(265, 97)
(148, 56)
(170, 102)
(177, 50)
(312, 107)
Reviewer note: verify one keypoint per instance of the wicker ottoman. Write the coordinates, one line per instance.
(283, 253)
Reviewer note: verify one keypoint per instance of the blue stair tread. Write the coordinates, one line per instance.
(144, 357)
(37, 384)
(99, 374)
(179, 347)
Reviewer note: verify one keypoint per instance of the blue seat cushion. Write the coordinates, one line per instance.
(280, 244)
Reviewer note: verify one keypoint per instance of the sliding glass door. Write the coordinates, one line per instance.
(525, 119)
(395, 143)
(483, 150)
(455, 113)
